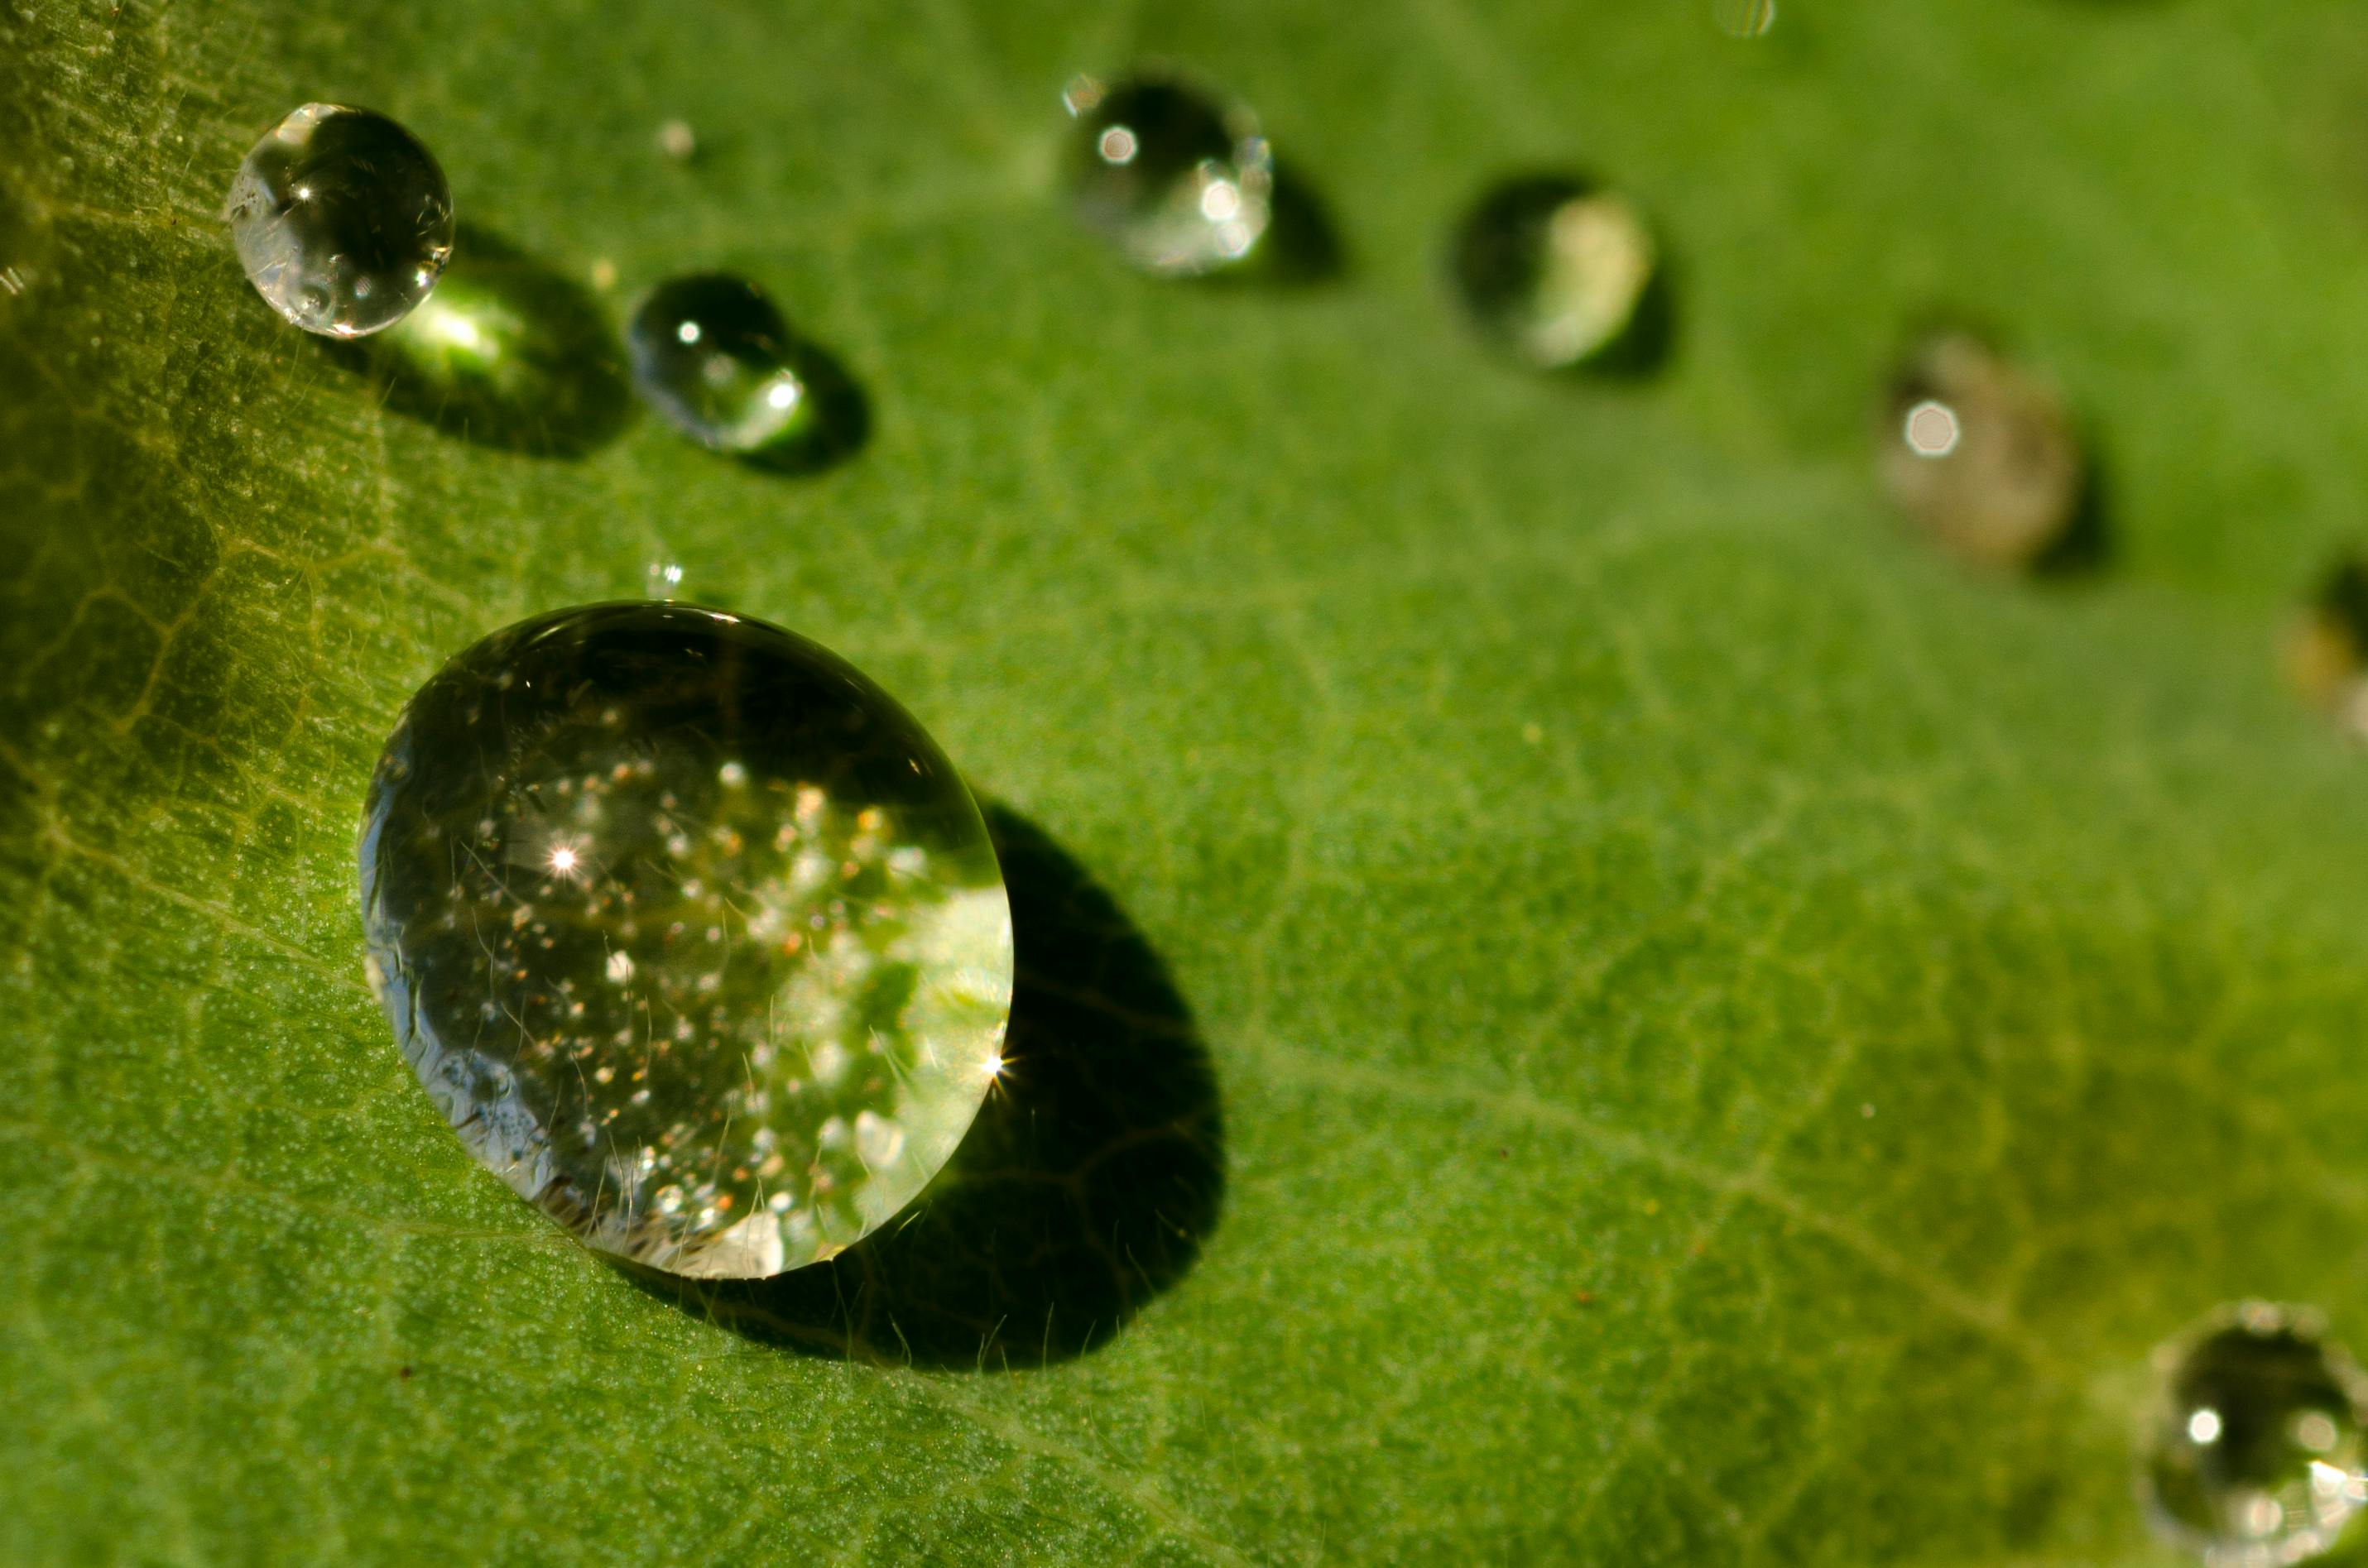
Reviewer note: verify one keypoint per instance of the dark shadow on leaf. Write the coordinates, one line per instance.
(1082, 1190)
(1302, 246)
(507, 353)
(840, 422)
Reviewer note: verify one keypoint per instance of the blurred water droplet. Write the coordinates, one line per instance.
(342, 220)
(689, 929)
(2326, 645)
(662, 579)
(1181, 182)
(1744, 18)
(2253, 1454)
(1980, 453)
(711, 353)
(1559, 272)
(678, 140)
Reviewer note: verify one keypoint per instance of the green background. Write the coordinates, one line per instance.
(1734, 1036)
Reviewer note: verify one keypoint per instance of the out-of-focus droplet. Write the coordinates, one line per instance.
(1744, 18)
(2253, 1454)
(2325, 646)
(716, 358)
(678, 140)
(1555, 269)
(1980, 453)
(662, 578)
(1181, 182)
(689, 929)
(342, 220)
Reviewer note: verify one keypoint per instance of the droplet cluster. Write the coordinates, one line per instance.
(691, 931)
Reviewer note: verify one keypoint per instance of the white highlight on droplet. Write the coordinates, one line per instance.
(1931, 429)
(2204, 1426)
(687, 332)
(1118, 146)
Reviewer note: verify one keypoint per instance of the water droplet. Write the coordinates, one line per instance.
(1981, 454)
(1562, 272)
(342, 220)
(2326, 645)
(23, 259)
(678, 140)
(677, 914)
(1180, 181)
(2254, 1452)
(1744, 18)
(711, 353)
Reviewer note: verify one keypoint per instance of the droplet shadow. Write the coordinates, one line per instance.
(841, 425)
(1302, 248)
(507, 353)
(1084, 1190)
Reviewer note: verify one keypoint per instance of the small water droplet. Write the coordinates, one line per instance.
(678, 140)
(763, 961)
(1180, 181)
(1744, 18)
(342, 220)
(1980, 453)
(2326, 645)
(2254, 1454)
(1561, 272)
(711, 353)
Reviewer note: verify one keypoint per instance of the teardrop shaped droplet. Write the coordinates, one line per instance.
(1181, 182)
(342, 220)
(2254, 1452)
(1981, 454)
(692, 933)
(1557, 270)
(711, 353)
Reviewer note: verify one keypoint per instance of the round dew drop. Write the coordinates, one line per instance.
(1556, 271)
(2253, 1453)
(691, 931)
(1182, 183)
(1979, 454)
(712, 354)
(342, 220)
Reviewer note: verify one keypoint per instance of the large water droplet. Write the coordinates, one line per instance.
(2254, 1453)
(1182, 183)
(711, 353)
(1981, 454)
(1561, 273)
(690, 930)
(342, 218)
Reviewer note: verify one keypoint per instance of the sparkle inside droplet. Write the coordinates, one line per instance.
(342, 220)
(706, 978)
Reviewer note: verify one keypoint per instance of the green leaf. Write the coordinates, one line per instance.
(1596, 1002)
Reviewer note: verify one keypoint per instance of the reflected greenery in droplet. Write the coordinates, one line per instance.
(2253, 1454)
(508, 352)
(1562, 273)
(712, 354)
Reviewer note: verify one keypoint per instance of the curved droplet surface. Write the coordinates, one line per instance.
(342, 220)
(1980, 454)
(2253, 1453)
(712, 354)
(1181, 182)
(689, 929)
(1555, 269)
